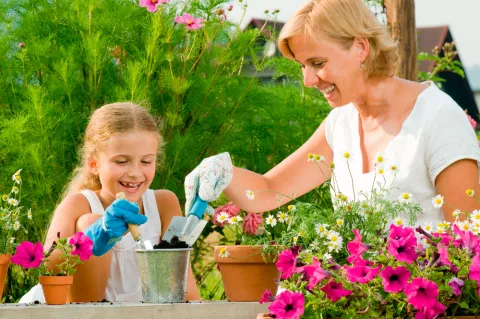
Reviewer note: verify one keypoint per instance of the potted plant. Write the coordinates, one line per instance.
(405, 272)
(11, 222)
(257, 239)
(55, 282)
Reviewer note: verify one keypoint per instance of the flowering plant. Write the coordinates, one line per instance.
(316, 228)
(408, 273)
(11, 215)
(73, 251)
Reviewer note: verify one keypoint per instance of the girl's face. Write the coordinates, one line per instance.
(334, 71)
(126, 164)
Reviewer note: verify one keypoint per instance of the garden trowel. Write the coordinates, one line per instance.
(189, 228)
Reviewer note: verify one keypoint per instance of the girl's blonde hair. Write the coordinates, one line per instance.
(106, 121)
(342, 21)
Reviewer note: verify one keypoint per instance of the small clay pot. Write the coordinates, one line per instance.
(56, 289)
(4, 262)
(263, 316)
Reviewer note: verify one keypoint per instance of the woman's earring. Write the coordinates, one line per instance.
(362, 65)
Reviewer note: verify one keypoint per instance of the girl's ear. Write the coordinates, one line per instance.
(92, 165)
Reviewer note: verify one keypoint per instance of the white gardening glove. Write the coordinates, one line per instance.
(208, 180)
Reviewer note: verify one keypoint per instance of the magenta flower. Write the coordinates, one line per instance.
(152, 5)
(82, 245)
(335, 291)
(189, 21)
(288, 305)
(356, 248)
(287, 260)
(267, 297)
(395, 279)
(361, 274)
(474, 270)
(456, 284)
(473, 123)
(251, 223)
(28, 255)
(398, 232)
(403, 249)
(421, 293)
(430, 313)
(467, 240)
(446, 239)
(313, 273)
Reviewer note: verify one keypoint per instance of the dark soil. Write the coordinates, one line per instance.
(174, 243)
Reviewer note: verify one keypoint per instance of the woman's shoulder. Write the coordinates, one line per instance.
(74, 204)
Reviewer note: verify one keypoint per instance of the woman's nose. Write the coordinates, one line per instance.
(310, 77)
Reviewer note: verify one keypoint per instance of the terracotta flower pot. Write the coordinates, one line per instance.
(4, 262)
(56, 288)
(245, 274)
(263, 316)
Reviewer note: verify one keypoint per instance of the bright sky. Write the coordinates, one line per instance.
(462, 16)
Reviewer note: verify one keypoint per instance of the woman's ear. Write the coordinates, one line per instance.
(92, 165)
(362, 48)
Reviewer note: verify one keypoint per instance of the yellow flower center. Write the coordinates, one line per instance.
(334, 238)
(381, 171)
(346, 155)
(399, 222)
(317, 157)
(380, 159)
(465, 226)
(406, 196)
(394, 168)
(469, 192)
(310, 155)
(438, 201)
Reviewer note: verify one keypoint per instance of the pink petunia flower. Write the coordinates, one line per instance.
(252, 222)
(82, 245)
(361, 274)
(267, 297)
(421, 293)
(286, 263)
(474, 270)
(335, 291)
(395, 279)
(473, 123)
(313, 273)
(398, 232)
(403, 249)
(446, 239)
(152, 5)
(430, 313)
(456, 284)
(189, 21)
(288, 305)
(468, 240)
(230, 208)
(28, 255)
(356, 248)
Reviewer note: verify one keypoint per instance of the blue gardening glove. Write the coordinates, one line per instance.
(109, 229)
(208, 180)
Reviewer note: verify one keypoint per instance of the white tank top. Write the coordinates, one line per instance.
(124, 281)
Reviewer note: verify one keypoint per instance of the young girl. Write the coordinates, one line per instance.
(121, 149)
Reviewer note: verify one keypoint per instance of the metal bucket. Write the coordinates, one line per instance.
(163, 273)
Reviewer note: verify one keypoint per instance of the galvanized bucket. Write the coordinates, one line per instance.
(163, 273)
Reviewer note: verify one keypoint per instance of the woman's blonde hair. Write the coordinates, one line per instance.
(106, 121)
(342, 21)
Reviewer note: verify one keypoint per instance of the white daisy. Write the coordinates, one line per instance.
(235, 219)
(379, 159)
(223, 217)
(315, 245)
(398, 222)
(475, 216)
(292, 208)
(394, 168)
(270, 220)
(12, 240)
(294, 240)
(428, 227)
(282, 217)
(326, 257)
(321, 229)
(310, 157)
(223, 252)
(456, 213)
(250, 194)
(319, 158)
(437, 201)
(339, 222)
(13, 201)
(380, 170)
(29, 214)
(470, 192)
(464, 225)
(16, 225)
(15, 190)
(406, 198)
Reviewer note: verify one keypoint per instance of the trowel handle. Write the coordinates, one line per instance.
(131, 227)
(198, 208)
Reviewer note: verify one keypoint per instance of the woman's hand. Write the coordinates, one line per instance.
(208, 180)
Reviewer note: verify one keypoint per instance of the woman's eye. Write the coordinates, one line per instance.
(318, 64)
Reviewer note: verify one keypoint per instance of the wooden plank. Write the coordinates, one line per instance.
(124, 310)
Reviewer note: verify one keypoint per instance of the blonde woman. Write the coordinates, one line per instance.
(378, 120)
(120, 153)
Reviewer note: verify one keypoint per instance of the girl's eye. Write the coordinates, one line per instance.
(146, 162)
(120, 162)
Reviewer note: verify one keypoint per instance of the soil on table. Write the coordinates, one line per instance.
(174, 243)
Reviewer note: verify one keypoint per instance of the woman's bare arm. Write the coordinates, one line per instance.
(294, 175)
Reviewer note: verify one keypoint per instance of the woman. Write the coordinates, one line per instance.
(349, 57)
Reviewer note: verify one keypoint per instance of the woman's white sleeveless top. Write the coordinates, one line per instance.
(124, 281)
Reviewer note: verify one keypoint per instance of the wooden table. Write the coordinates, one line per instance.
(135, 310)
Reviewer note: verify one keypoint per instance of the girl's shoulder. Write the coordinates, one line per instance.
(74, 204)
(166, 199)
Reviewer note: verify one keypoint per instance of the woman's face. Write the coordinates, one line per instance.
(333, 70)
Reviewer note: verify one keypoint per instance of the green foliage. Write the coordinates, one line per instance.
(60, 60)
(444, 60)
